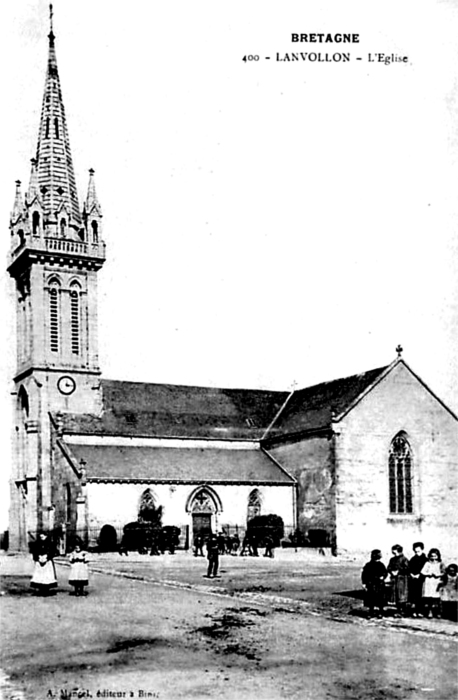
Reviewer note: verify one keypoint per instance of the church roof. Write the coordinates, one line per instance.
(176, 464)
(314, 407)
(165, 410)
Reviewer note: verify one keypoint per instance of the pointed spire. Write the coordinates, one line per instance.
(51, 33)
(91, 199)
(55, 174)
(18, 205)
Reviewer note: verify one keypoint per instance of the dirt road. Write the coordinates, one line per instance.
(132, 639)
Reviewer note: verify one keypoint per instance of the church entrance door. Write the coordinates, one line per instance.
(201, 525)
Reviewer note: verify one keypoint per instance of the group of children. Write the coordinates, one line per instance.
(44, 579)
(419, 587)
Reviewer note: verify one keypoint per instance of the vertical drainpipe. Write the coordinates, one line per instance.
(39, 446)
(296, 486)
(334, 467)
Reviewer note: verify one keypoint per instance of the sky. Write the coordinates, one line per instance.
(269, 224)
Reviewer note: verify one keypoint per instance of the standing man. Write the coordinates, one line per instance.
(212, 556)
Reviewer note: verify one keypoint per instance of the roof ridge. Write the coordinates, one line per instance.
(341, 379)
(194, 386)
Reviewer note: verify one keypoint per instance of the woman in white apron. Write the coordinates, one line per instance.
(44, 573)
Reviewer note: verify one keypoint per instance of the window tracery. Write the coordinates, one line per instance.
(400, 475)
(254, 504)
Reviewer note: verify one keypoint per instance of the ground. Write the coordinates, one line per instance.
(154, 627)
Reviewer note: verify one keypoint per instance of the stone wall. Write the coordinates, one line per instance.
(399, 403)
(67, 488)
(117, 504)
(310, 462)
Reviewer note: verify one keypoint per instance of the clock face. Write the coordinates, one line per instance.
(66, 385)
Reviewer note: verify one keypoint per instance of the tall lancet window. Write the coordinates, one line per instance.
(54, 316)
(95, 232)
(23, 400)
(36, 223)
(400, 475)
(75, 325)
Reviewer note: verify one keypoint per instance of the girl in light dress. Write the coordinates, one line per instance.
(79, 572)
(433, 571)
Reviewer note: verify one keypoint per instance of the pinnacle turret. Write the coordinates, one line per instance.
(92, 213)
(92, 201)
(18, 206)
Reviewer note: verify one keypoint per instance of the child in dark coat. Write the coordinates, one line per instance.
(373, 579)
(416, 578)
(398, 568)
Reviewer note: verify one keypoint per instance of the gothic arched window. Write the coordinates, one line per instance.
(75, 319)
(400, 475)
(63, 227)
(54, 316)
(56, 127)
(146, 501)
(23, 400)
(254, 504)
(148, 511)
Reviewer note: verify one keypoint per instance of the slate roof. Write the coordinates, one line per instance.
(175, 464)
(165, 410)
(312, 408)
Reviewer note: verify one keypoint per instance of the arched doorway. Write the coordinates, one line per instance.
(203, 505)
(108, 539)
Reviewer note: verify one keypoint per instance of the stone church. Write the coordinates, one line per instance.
(364, 461)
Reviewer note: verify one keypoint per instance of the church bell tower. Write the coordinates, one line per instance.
(55, 255)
